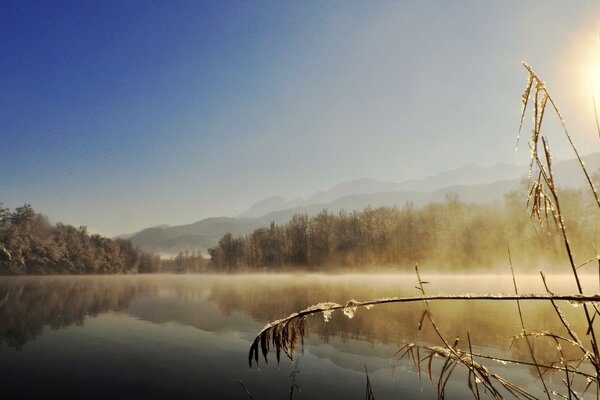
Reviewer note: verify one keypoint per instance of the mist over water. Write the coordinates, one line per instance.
(173, 336)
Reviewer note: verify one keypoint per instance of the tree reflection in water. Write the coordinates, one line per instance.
(28, 304)
(245, 303)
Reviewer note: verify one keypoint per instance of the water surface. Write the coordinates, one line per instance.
(187, 336)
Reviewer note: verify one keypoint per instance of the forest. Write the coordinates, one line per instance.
(29, 244)
(450, 235)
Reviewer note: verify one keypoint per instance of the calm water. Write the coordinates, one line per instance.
(187, 336)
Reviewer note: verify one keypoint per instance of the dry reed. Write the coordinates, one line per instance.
(369, 390)
(543, 201)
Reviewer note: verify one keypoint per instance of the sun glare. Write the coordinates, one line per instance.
(580, 71)
(594, 79)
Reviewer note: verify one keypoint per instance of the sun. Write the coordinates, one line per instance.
(579, 68)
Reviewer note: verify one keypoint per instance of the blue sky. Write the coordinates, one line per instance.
(122, 115)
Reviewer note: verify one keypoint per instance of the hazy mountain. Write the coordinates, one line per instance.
(568, 172)
(467, 175)
(130, 235)
(193, 237)
(470, 174)
(472, 184)
(268, 205)
(358, 186)
(469, 193)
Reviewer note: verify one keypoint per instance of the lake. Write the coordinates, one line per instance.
(188, 336)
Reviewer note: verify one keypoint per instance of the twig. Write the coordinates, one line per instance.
(246, 390)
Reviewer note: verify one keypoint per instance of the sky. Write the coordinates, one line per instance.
(124, 115)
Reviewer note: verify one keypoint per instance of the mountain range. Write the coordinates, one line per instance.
(472, 184)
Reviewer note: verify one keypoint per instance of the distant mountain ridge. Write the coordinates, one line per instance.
(470, 174)
(268, 205)
(191, 237)
(471, 183)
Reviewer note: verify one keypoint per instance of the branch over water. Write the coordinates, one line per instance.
(287, 331)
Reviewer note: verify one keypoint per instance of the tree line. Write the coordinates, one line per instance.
(185, 262)
(29, 244)
(445, 235)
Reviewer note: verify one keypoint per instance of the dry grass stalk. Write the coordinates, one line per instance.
(544, 202)
(285, 333)
(545, 184)
(369, 391)
(541, 98)
(245, 390)
(293, 385)
(524, 332)
(595, 112)
(478, 375)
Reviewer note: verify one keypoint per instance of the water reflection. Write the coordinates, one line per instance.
(219, 303)
(226, 312)
(28, 304)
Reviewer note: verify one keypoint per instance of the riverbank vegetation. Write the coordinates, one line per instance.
(446, 236)
(29, 244)
(451, 235)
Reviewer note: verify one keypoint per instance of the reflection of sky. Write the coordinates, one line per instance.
(122, 115)
(185, 335)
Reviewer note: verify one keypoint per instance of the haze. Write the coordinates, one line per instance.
(121, 116)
